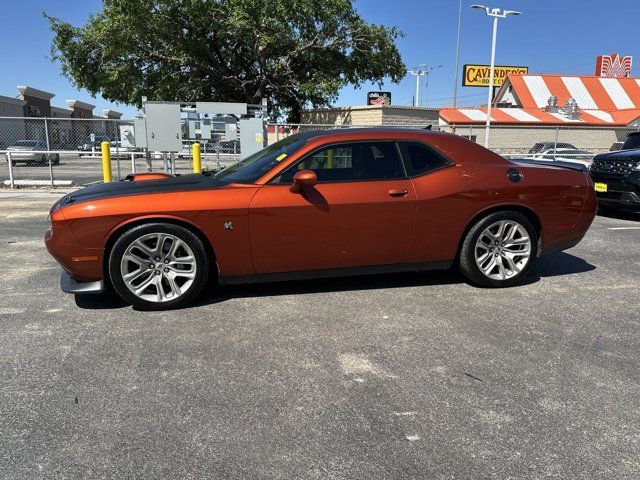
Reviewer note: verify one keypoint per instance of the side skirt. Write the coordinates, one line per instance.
(336, 272)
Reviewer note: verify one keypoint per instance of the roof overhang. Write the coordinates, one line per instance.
(73, 104)
(34, 92)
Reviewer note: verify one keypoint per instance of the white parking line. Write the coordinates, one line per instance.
(623, 228)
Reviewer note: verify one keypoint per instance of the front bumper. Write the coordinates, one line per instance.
(69, 285)
(622, 192)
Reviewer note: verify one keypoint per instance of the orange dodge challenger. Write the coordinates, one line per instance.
(320, 204)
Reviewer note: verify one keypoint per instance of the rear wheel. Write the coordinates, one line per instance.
(158, 266)
(499, 250)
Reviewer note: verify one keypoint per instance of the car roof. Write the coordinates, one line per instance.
(308, 135)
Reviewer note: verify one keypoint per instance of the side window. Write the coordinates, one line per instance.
(351, 162)
(420, 159)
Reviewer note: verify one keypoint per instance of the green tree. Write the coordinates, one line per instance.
(295, 53)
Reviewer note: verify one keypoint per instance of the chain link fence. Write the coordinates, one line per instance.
(65, 152)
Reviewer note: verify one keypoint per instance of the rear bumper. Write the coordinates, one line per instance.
(559, 247)
(69, 285)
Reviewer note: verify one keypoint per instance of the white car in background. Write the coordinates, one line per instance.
(28, 152)
(572, 155)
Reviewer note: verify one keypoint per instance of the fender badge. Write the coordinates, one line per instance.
(228, 225)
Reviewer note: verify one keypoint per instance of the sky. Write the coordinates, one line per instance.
(552, 36)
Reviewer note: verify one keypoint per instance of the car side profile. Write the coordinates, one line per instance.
(321, 204)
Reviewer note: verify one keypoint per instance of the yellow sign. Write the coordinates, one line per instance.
(478, 75)
(601, 187)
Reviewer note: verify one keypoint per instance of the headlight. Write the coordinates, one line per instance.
(637, 166)
(49, 218)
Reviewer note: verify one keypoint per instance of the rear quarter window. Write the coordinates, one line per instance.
(420, 158)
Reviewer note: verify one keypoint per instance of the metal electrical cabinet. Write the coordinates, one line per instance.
(140, 133)
(164, 132)
(252, 136)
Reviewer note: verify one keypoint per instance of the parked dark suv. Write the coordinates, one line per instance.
(616, 175)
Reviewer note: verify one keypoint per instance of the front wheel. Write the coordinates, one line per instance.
(158, 266)
(499, 250)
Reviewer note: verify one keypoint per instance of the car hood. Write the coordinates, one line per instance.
(620, 155)
(181, 183)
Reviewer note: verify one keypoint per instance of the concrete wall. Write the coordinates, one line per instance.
(343, 116)
(411, 116)
(374, 115)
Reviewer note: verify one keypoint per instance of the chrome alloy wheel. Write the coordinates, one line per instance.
(503, 250)
(158, 267)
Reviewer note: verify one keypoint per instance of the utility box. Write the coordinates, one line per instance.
(253, 136)
(127, 136)
(230, 131)
(205, 129)
(139, 133)
(164, 131)
(221, 108)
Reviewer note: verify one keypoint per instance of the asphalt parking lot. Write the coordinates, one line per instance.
(393, 376)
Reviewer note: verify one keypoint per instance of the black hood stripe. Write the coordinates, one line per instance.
(182, 183)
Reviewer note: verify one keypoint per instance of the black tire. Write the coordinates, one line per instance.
(135, 233)
(56, 160)
(467, 258)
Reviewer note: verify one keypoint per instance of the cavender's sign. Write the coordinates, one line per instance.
(478, 75)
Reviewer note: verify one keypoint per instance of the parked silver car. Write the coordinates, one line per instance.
(565, 155)
(28, 151)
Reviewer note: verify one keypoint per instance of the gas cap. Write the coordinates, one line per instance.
(514, 175)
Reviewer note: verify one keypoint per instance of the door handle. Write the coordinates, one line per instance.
(397, 193)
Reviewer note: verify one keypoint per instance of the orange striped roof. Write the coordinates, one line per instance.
(601, 101)
(591, 92)
(536, 116)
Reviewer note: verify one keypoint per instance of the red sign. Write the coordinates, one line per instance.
(613, 66)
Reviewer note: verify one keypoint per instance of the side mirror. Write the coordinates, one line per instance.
(303, 178)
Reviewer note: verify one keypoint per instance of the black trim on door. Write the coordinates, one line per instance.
(336, 272)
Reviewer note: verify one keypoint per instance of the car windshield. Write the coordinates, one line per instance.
(254, 166)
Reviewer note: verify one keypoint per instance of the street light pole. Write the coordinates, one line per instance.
(418, 73)
(491, 74)
(455, 78)
(497, 14)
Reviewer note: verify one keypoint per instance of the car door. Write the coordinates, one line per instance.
(360, 212)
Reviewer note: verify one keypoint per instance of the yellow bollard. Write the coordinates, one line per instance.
(197, 161)
(106, 161)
